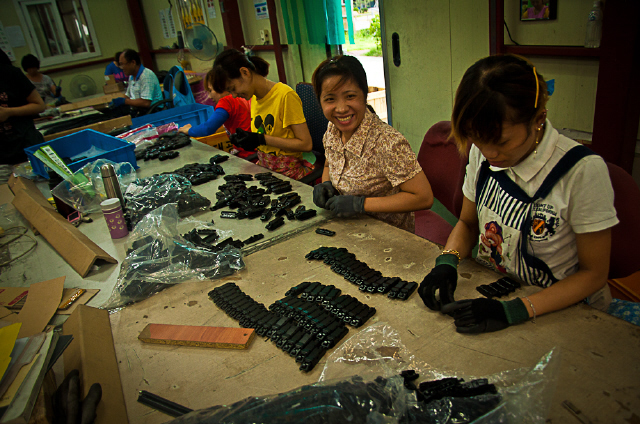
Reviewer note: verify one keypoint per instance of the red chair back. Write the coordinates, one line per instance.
(625, 235)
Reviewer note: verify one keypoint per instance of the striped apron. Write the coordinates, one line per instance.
(505, 220)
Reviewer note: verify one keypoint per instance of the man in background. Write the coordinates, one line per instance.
(143, 89)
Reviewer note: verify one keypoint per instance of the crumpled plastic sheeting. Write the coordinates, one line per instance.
(85, 191)
(159, 257)
(378, 350)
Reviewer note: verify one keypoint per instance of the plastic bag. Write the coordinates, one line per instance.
(85, 191)
(377, 393)
(158, 257)
(145, 195)
(377, 350)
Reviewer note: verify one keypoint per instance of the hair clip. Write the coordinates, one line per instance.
(535, 105)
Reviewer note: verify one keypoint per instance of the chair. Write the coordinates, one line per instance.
(317, 124)
(625, 235)
(176, 91)
(445, 169)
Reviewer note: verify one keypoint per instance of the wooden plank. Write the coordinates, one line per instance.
(200, 336)
(92, 101)
(103, 127)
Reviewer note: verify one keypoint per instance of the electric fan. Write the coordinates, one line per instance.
(82, 86)
(203, 43)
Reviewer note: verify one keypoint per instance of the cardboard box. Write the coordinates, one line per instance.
(113, 88)
(76, 248)
(93, 354)
(103, 127)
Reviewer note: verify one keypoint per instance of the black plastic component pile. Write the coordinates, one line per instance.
(253, 202)
(297, 325)
(207, 238)
(359, 273)
(499, 288)
(164, 148)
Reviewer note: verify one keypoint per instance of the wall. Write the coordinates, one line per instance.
(576, 80)
(113, 29)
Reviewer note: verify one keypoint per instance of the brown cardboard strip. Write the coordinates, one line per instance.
(201, 336)
(41, 305)
(76, 248)
(92, 352)
(103, 127)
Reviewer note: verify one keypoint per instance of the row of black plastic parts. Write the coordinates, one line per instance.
(285, 332)
(357, 272)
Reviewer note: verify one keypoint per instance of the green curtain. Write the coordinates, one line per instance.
(293, 36)
(324, 21)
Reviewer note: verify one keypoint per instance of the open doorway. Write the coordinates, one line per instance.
(368, 49)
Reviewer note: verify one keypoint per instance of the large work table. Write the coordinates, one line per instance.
(599, 370)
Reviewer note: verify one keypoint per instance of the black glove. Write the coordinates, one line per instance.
(246, 139)
(443, 278)
(323, 192)
(345, 206)
(485, 315)
(67, 405)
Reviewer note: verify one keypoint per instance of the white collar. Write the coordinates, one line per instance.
(529, 168)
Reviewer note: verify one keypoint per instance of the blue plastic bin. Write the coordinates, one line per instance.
(71, 145)
(194, 114)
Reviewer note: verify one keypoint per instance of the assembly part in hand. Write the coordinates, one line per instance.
(323, 192)
(442, 278)
(345, 206)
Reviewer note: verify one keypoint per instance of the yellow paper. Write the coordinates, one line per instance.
(8, 336)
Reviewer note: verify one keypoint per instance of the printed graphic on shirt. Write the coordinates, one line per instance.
(266, 126)
(490, 248)
(544, 222)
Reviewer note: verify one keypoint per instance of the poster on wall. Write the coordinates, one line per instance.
(211, 8)
(168, 25)
(261, 9)
(4, 44)
(190, 12)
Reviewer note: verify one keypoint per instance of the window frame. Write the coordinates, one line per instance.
(21, 7)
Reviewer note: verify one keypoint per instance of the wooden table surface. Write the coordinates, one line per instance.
(599, 369)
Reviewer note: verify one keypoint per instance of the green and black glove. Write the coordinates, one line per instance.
(345, 206)
(323, 192)
(68, 405)
(486, 315)
(247, 140)
(443, 278)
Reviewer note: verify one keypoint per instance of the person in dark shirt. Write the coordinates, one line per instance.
(113, 68)
(19, 103)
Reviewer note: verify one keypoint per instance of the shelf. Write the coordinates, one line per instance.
(268, 47)
(565, 51)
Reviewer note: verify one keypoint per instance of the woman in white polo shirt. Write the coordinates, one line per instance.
(539, 204)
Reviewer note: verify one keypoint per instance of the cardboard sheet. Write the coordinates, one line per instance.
(14, 299)
(8, 337)
(41, 305)
(75, 247)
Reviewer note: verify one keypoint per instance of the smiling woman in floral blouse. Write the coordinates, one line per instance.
(370, 166)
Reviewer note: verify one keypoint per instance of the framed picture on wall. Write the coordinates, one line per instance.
(537, 10)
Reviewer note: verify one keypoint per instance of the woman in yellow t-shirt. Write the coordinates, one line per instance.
(279, 130)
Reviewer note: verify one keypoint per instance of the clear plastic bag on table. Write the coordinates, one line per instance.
(159, 257)
(379, 395)
(85, 191)
(147, 194)
(525, 393)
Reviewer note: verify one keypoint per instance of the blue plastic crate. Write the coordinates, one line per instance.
(71, 145)
(194, 114)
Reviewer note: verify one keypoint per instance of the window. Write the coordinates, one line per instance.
(59, 31)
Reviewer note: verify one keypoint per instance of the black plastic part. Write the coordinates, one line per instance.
(325, 232)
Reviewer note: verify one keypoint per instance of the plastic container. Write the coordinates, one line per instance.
(114, 218)
(116, 150)
(219, 140)
(194, 114)
(594, 26)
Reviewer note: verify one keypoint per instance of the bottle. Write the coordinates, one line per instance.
(111, 183)
(594, 26)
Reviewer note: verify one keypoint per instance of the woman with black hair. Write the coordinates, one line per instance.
(279, 130)
(19, 103)
(539, 204)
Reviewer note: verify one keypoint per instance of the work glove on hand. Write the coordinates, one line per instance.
(485, 315)
(68, 406)
(247, 140)
(323, 192)
(443, 278)
(117, 102)
(345, 206)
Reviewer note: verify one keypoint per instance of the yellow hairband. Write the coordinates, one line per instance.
(535, 105)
